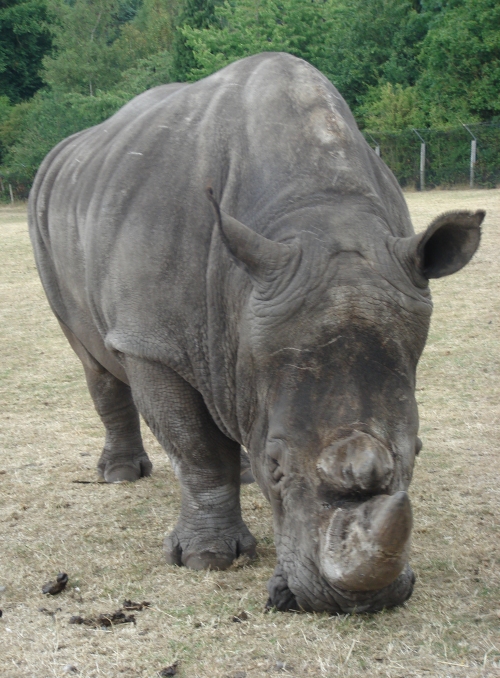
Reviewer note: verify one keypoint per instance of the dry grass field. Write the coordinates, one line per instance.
(109, 538)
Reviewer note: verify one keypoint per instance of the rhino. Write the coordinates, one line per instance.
(231, 260)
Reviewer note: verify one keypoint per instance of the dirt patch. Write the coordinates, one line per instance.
(109, 538)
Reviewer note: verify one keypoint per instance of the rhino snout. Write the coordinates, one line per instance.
(357, 464)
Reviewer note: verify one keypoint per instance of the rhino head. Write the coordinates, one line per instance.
(331, 336)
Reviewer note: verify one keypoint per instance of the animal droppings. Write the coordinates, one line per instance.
(129, 605)
(70, 668)
(104, 620)
(169, 670)
(76, 619)
(240, 616)
(54, 587)
(491, 616)
(51, 613)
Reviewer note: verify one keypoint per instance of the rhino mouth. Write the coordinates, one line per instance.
(361, 562)
(284, 596)
(353, 552)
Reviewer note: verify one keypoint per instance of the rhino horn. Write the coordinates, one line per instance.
(366, 548)
(263, 259)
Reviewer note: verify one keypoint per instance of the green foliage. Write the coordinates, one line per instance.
(101, 62)
(87, 56)
(346, 39)
(5, 112)
(193, 14)
(150, 72)
(24, 40)
(5, 108)
(150, 33)
(253, 26)
(392, 107)
(460, 59)
(35, 127)
(371, 42)
(399, 63)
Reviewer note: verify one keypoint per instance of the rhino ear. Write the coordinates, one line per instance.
(263, 259)
(447, 245)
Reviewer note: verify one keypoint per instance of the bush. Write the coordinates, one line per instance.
(33, 128)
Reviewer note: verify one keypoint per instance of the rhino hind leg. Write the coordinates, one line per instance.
(123, 457)
(210, 532)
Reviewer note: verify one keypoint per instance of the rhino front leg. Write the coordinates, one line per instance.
(210, 532)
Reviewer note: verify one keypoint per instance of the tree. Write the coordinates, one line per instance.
(460, 60)
(24, 41)
(193, 14)
(372, 42)
(391, 107)
(300, 27)
(85, 35)
(346, 39)
(34, 127)
(104, 58)
(150, 33)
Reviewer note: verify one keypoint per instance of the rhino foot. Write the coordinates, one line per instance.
(118, 469)
(204, 553)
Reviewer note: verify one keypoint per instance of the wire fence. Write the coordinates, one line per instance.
(468, 155)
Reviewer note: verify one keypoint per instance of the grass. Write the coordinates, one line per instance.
(109, 538)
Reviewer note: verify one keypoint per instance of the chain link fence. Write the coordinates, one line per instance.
(426, 158)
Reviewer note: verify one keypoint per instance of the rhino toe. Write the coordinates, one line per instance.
(208, 560)
(125, 471)
(217, 553)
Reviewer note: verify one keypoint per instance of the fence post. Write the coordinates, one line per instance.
(473, 149)
(422, 161)
(377, 146)
(11, 194)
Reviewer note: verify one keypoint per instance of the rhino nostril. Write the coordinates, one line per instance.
(275, 469)
(277, 474)
(359, 463)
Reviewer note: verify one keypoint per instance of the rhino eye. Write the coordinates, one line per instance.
(418, 445)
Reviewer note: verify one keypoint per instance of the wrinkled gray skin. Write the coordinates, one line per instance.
(290, 322)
